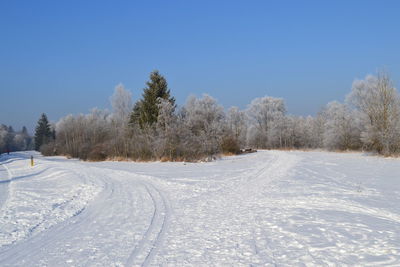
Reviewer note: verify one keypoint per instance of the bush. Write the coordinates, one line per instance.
(230, 145)
(48, 149)
(98, 153)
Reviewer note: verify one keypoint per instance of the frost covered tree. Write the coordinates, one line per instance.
(204, 118)
(99, 134)
(145, 111)
(71, 136)
(22, 140)
(298, 133)
(236, 123)
(317, 125)
(3, 137)
(43, 134)
(121, 102)
(291, 132)
(167, 140)
(11, 140)
(342, 129)
(84, 136)
(378, 101)
(265, 115)
(234, 136)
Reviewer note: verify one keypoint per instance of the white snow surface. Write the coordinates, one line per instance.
(270, 208)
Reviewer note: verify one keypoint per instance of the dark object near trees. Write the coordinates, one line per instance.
(248, 150)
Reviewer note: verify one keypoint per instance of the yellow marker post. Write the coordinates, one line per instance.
(31, 160)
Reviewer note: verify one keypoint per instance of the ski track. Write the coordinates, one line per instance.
(5, 178)
(270, 208)
(152, 239)
(51, 240)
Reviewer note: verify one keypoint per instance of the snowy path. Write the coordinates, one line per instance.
(99, 223)
(5, 178)
(264, 209)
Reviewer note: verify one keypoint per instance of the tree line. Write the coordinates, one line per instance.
(11, 140)
(154, 128)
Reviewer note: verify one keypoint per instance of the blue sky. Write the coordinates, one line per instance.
(62, 57)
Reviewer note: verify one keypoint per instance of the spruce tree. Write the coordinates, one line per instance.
(145, 111)
(43, 133)
(24, 131)
(9, 139)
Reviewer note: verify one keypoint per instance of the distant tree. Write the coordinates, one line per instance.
(145, 111)
(234, 135)
(167, 131)
(236, 124)
(22, 140)
(3, 135)
(9, 140)
(43, 134)
(341, 130)
(135, 114)
(266, 115)
(24, 131)
(204, 118)
(85, 136)
(121, 102)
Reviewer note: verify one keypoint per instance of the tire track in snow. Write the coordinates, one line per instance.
(29, 248)
(147, 248)
(37, 249)
(4, 185)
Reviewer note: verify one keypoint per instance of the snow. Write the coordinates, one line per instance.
(267, 208)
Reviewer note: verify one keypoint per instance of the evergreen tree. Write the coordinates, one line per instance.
(145, 111)
(135, 115)
(43, 134)
(24, 131)
(9, 140)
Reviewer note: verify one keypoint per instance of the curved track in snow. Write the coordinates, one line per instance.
(147, 248)
(263, 209)
(5, 178)
(119, 217)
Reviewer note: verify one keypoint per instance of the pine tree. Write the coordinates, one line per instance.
(43, 134)
(9, 140)
(24, 131)
(145, 111)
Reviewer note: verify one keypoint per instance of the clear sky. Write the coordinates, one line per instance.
(62, 57)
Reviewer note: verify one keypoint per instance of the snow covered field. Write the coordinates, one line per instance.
(270, 208)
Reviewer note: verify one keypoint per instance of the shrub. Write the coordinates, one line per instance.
(97, 153)
(230, 145)
(48, 149)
